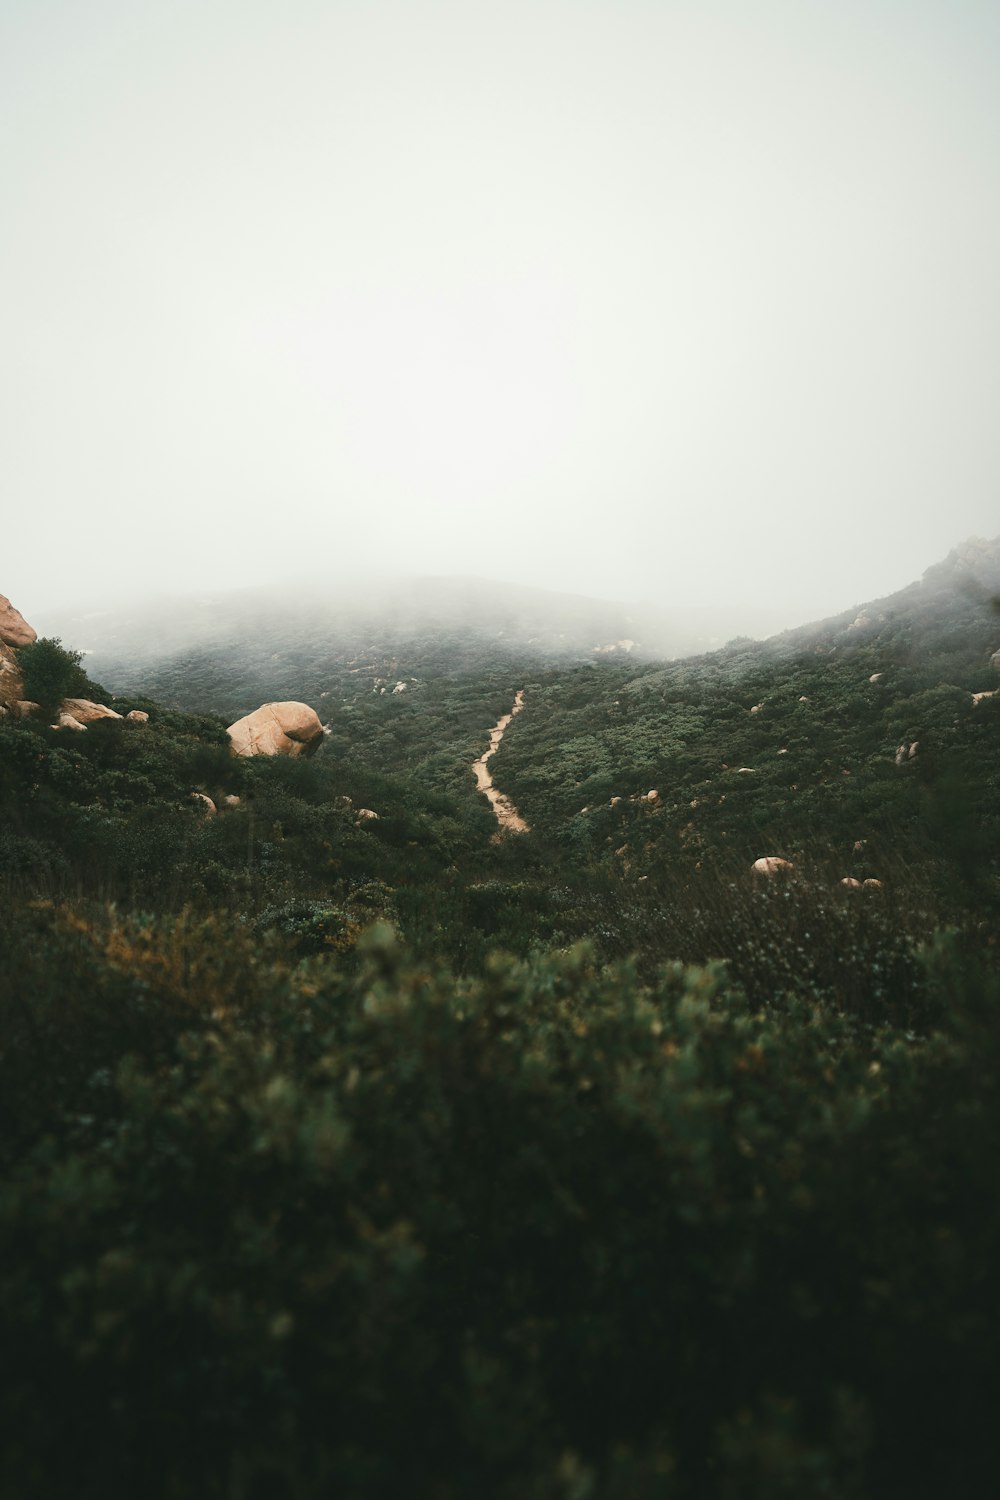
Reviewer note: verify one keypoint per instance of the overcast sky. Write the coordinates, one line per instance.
(676, 300)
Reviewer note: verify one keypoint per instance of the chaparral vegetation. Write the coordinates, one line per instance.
(354, 1146)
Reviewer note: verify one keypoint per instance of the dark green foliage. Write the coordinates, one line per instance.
(387, 1156)
(550, 1231)
(50, 673)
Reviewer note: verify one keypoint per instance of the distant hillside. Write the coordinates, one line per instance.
(785, 746)
(877, 730)
(214, 651)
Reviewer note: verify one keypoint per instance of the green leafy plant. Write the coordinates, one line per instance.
(51, 673)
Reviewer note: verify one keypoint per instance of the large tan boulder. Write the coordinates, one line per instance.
(772, 864)
(277, 729)
(85, 712)
(14, 628)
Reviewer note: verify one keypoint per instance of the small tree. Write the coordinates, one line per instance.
(50, 673)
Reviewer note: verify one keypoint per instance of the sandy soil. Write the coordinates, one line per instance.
(507, 814)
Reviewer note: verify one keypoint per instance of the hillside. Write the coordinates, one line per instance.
(352, 1146)
(876, 727)
(219, 652)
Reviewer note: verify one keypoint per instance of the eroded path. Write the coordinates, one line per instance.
(507, 814)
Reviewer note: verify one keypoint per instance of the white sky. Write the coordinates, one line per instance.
(678, 300)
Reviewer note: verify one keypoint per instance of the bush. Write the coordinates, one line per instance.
(294, 1229)
(50, 673)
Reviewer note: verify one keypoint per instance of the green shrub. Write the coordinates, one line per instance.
(50, 673)
(301, 1229)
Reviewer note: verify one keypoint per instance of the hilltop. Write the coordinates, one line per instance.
(207, 651)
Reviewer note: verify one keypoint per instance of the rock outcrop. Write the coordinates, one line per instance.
(14, 628)
(85, 712)
(11, 686)
(277, 729)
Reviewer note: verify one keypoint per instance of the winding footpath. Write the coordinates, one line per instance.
(508, 817)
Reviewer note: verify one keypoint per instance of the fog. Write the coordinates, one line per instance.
(685, 303)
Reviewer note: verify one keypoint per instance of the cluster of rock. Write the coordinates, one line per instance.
(14, 632)
(77, 713)
(73, 713)
(773, 864)
(273, 729)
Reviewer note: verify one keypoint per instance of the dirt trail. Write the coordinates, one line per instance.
(507, 814)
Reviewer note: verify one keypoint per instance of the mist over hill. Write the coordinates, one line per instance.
(382, 615)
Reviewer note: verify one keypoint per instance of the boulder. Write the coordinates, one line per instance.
(86, 712)
(851, 884)
(203, 804)
(11, 686)
(137, 716)
(977, 698)
(67, 721)
(871, 884)
(771, 864)
(231, 800)
(14, 628)
(24, 708)
(277, 729)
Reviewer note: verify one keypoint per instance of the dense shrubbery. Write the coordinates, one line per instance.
(377, 1156)
(782, 747)
(50, 673)
(299, 1230)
